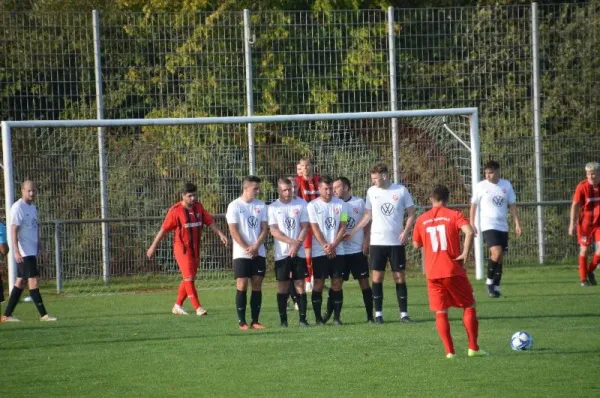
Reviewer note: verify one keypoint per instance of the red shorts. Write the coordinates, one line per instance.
(588, 236)
(188, 265)
(308, 240)
(455, 291)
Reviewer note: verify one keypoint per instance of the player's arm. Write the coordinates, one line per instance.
(14, 236)
(409, 223)
(472, 216)
(575, 208)
(367, 239)
(280, 236)
(417, 239)
(318, 235)
(215, 228)
(467, 244)
(363, 222)
(157, 239)
(513, 213)
(169, 224)
(3, 242)
(339, 237)
(235, 235)
(264, 230)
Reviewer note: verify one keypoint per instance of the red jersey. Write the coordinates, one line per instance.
(438, 231)
(588, 197)
(308, 189)
(187, 224)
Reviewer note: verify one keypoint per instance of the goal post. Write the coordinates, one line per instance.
(471, 134)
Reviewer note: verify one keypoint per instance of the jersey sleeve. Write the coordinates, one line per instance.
(232, 214)
(304, 214)
(417, 238)
(170, 222)
(579, 196)
(511, 196)
(460, 220)
(476, 198)
(3, 237)
(272, 219)
(312, 214)
(207, 218)
(16, 216)
(368, 200)
(408, 200)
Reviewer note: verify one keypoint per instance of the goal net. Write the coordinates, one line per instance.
(145, 162)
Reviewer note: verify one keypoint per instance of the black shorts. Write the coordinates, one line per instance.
(357, 264)
(28, 268)
(296, 266)
(324, 267)
(379, 256)
(493, 237)
(249, 267)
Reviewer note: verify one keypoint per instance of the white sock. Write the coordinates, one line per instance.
(403, 314)
(378, 313)
(489, 281)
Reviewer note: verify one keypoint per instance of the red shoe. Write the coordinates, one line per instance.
(256, 325)
(244, 326)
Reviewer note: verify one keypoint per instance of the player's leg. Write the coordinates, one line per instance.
(494, 242)
(292, 293)
(378, 258)
(497, 255)
(282, 274)
(398, 265)
(460, 295)
(14, 297)
(367, 293)
(299, 272)
(320, 272)
(337, 269)
(36, 297)
(595, 259)
(309, 261)
(181, 296)
(242, 271)
(259, 266)
(438, 297)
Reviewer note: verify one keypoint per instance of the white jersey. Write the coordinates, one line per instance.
(248, 217)
(26, 217)
(387, 206)
(356, 209)
(288, 217)
(328, 215)
(493, 201)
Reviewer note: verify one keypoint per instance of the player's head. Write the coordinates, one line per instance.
(341, 187)
(250, 187)
(305, 166)
(592, 172)
(294, 185)
(491, 171)
(28, 191)
(380, 175)
(189, 193)
(439, 196)
(285, 189)
(325, 188)
(299, 170)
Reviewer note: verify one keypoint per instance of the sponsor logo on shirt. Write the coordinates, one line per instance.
(351, 223)
(388, 209)
(498, 201)
(289, 223)
(330, 223)
(192, 224)
(252, 222)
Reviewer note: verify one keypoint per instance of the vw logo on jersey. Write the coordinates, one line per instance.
(351, 223)
(290, 223)
(330, 223)
(34, 223)
(252, 222)
(388, 209)
(498, 200)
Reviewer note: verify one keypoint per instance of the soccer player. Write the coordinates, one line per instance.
(4, 252)
(586, 210)
(308, 189)
(247, 221)
(356, 249)
(437, 232)
(292, 288)
(26, 242)
(495, 196)
(187, 218)
(385, 206)
(288, 223)
(328, 218)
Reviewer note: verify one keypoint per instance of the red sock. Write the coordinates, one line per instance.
(308, 278)
(443, 327)
(192, 294)
(181, 294)
(583, 268)
(594, 263)
(472, 326)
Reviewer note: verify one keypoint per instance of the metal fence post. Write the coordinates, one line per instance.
(57, 256)
(101, 148)
(539, 188)
(393, 92)
(249, 91)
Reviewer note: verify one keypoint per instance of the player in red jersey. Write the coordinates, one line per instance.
(585, 221)
(437, 232)
(187, 218)
(308, 189)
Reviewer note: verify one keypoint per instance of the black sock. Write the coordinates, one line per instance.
(338, 302)
(492, 266)
(302, 304)
(330, 296)
(13, 300)
(255, 303)
(402, 295)
(368, 299)
(317, 301)
(240, 304)
(378, 296)
(498, 275)
(292, 292)
(282, 305)
(37, 300)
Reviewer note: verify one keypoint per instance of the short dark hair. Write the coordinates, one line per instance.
(284, 180)
(440, 193)
(491, 165)
(325, 180)
(344, 181)
(251, 178)
(305, 159)
(380, 168)
(189, 187)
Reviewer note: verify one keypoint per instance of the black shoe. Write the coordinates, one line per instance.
(592, 278)
(327, 317)
(370, 320)
(303, 324)
(406, 319)
(491, 291)
(320, 322)
(379, 320)
(284, 324)
(337, 322)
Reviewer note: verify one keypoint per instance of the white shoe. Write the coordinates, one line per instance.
(27, 299)
(296, 307)
(201, 311)
(48, 318)
(9, 319)
(309, 287)
(178, 310)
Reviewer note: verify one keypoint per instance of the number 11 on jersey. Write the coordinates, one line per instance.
(433, 237)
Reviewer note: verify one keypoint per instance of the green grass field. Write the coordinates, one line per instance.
(130, 345)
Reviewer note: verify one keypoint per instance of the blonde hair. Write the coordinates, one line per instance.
(592, 166)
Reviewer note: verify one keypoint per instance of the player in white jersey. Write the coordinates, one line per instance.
(328, 217)
(288, 222)
(495, 197)
(247, 221)
(26, 243)
(357, 248)
(385, 206)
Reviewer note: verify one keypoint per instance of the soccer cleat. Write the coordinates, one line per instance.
(9, 318)
(370, 320)
(296, 307)
(284, 324)
(592, 278)
(585, 283)
(491, 291)
(48, 318)
(256, 325)
(478, 353)
(303, 324)
(450, 355)
(244, 326)
(201, 311)
(320, 322)
(379, 320)
(327, 317)
(406, 319)
(337, 322)
(178, 310)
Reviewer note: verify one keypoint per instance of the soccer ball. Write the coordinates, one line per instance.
(521, 341)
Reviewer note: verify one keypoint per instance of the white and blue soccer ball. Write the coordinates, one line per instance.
(521, 341)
